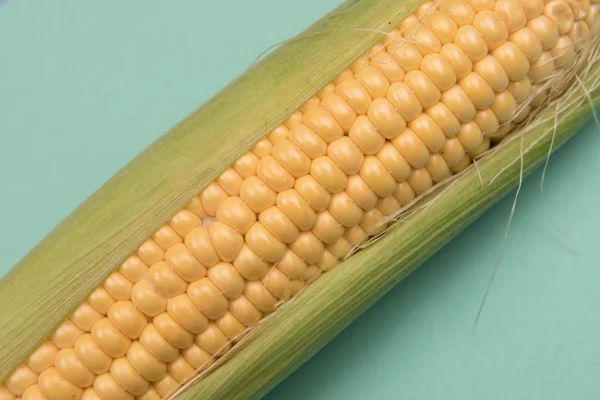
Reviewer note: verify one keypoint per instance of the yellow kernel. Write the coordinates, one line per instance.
(197, 357)
(328, 174)
(412, 148)
(279, 284)
(212, 196)
(453, 152)
(244, 311)
(355, 94)
(470, 136)
(528, 42)
(442, 25)
(180, 369)
(373, 222)
(459, 10)
(405, 100)
(438, 168)
(480, 92)
(377, 177)
(33, 392)
(172, 331)
(360, 192)
(165, 237)
(118, 286)
(291, 158)
(346, 154)
(513, 60)
(426, 91)
(185, 313)
(91, 355)
(445, 119)
(543, 69)
(145, 363)
(533, 8)
(344, 209)
(366, 136)
(134, 268)
(157, 345)
(184, 221)
(256, 194)
(227, 279)
(108, 337)
(262, 148)
(580, 8)
(404, 193)
(165, 280)
(66, 335)
(85, 316)
(459, 103)
(545, 30)
(310, 104)
(512, 14)
(341, 248)
(230, 181)
(147, 299)
(487, 121)
(458, 60)
(260, 296)
(385, 118)
(226, 240)
(561, 14)
(291, 265)
(127, 377)
(127, 318)
(21, 378)
(231, 327)
(491, 26)
(471, 42)
(429, 132)
(180, 258)
(341, 111)
(385, 63)
(273, 174)
(313, 192)
(308, 141)
(373, 81)
(323, 123)
(55, 387)
(294, 118)
(481, 5)
(295, 207)
(420, 180)
(195, 206)
(406, 55)
(208, 298)
(439, 70)
(279, 224)
(42, 357)
(521, 90)
(246, 164)
(563, 52)
(101, 300)
(249, 264)
(166, 386)
(264, 243)
(504, 106)
(394, 162)
(308, 247)
(213, 340)
(326, 228)
(494, 74)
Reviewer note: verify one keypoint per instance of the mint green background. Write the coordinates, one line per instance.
(86, 85)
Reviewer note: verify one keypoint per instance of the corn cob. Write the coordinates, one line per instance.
(406, 116)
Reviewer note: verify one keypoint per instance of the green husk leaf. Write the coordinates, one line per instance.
(300, 328)
(60, 272)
